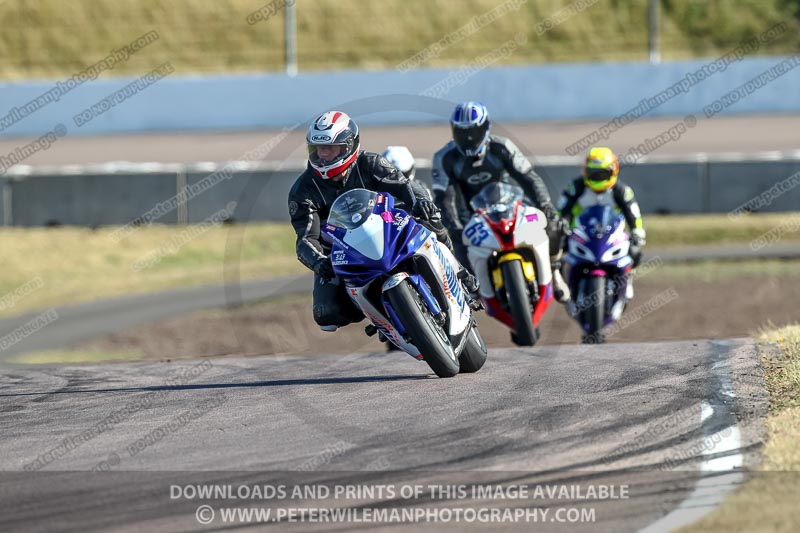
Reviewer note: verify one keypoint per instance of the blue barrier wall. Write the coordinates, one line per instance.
(514, 93)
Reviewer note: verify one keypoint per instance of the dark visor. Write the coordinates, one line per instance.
(469, 139)
(599, 175)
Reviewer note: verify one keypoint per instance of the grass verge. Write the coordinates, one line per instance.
(711, 271)
(679, 230)
(53, 38)
(769, 501)
(46, 267)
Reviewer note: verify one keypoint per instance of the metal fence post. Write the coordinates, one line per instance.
(652, 33)
(290, 43)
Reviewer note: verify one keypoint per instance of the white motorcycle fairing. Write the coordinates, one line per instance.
(529, 230)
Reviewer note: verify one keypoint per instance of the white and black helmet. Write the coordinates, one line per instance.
(333, 128)
(400, 157)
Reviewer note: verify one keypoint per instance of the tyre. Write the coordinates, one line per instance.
(473, 356)
(519, 302)
(515, 340)
(594, 314)
(423, 330)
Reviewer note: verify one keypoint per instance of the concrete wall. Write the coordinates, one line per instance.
(513, 93)
(92, 199)
(5, 196)
(660, 187)
(733, 181)
(89, 200)
(260, 196)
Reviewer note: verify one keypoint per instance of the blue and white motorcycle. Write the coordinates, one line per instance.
(404, 281)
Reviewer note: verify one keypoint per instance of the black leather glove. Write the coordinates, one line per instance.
(557, 230)
(425, 210)
(555, 224)
(550, 212)
(324, 269)
(635, 251)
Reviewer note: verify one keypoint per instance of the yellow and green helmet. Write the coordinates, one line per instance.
(601, 169)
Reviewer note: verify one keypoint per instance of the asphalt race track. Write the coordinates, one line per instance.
(624, 414)
(745, 135)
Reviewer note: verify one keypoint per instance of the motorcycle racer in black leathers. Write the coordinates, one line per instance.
(335, 165)
(599, 184)
(475, 158)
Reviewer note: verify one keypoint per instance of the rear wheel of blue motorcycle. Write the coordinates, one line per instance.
(423, 331)
(519, 303)
(594, 313)
(473, 356)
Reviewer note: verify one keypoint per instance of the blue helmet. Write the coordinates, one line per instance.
(470, 123)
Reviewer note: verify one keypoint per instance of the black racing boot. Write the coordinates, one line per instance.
(390, 347)
(472, 286)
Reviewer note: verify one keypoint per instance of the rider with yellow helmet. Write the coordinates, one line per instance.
(599, 185)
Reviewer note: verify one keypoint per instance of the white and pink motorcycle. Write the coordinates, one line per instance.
(509, 252)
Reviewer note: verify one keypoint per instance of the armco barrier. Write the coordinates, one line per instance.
(108, 195)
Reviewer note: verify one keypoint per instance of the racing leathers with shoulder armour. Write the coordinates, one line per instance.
(578, 196)
(458, 177)
(310, 200)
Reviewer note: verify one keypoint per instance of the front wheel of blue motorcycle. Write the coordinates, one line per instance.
(473, 356)
(594, 310)
(423, 331)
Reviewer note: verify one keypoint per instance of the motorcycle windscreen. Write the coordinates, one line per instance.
(368, 237)
(351, 209)
(600, 220)
(497, 195)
